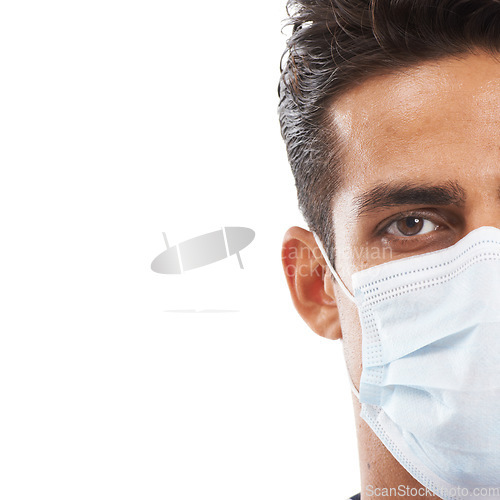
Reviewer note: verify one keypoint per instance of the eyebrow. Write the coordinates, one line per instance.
(386, 195)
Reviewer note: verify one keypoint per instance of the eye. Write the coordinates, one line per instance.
(411, 226)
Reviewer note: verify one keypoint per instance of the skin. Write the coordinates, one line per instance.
(432, 124)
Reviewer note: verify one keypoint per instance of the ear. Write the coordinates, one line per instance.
(310, 283)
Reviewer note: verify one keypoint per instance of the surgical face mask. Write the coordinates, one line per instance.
(430, 381)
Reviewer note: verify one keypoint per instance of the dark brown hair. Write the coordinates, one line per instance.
(336, 44)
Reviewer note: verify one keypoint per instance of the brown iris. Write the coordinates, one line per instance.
(409, 226)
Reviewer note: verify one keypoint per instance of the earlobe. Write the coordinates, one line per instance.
(309, 282)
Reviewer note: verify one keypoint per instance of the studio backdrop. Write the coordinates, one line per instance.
(149, 345)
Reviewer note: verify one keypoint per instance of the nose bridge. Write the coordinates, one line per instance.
(483, 206)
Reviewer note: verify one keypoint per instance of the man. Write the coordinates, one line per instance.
(390, 111)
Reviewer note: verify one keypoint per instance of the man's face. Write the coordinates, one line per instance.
(421, 169)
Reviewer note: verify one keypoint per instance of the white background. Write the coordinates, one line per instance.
(120, 120)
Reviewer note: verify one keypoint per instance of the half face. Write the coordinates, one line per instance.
(421, 169)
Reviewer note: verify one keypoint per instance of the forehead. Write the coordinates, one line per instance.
(435, 119)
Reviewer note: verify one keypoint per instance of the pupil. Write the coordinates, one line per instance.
(412, 221)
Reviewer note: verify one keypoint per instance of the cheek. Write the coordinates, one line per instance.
(351, 334)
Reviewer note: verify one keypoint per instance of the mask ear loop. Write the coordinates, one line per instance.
(342, 285)
(350, 296)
